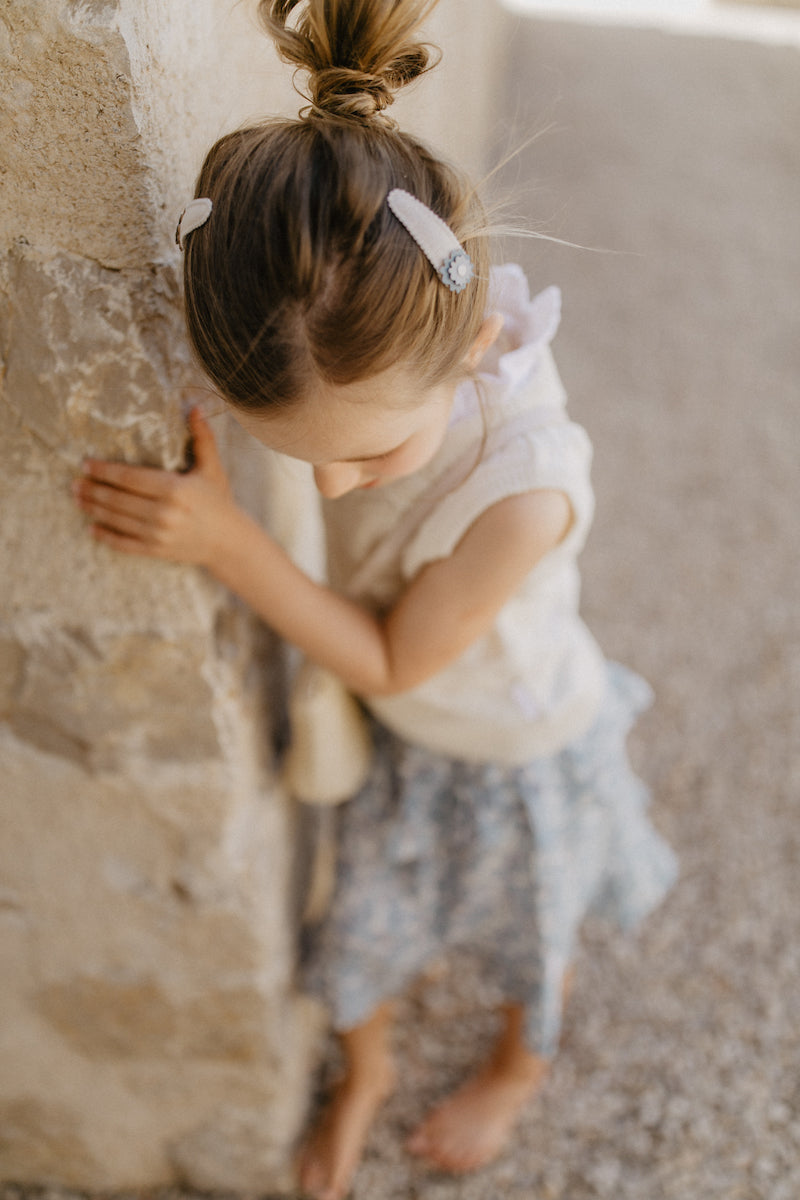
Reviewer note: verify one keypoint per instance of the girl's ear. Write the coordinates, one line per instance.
(487, 336)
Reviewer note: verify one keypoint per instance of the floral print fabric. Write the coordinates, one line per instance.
(436, 854)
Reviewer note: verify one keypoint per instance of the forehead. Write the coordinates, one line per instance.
(353, 421)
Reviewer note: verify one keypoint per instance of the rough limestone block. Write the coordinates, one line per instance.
(72, 155)
(12, 657)
(149, 1032)
(152, 954)
(102, 701)
(92, 373)
(145, 867)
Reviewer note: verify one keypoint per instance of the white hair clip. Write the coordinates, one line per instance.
(193, 216)
(435, 239)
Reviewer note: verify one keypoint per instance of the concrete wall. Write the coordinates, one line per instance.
(148, 1029)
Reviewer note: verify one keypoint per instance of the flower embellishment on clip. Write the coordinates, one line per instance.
(435, 239)
(457, 270)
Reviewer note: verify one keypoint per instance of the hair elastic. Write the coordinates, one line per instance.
(435, 239)
(193, 216)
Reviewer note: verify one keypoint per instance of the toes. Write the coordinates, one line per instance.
(444, 1149)
(457, 1159)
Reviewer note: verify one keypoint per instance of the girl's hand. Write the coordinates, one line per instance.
(180, 516)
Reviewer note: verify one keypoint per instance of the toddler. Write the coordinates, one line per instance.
(340, 299)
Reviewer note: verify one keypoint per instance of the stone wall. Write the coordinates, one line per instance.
(148, 1029)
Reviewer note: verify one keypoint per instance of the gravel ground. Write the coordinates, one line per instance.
(679, 1074)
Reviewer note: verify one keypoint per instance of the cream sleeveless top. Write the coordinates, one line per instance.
(535, 681)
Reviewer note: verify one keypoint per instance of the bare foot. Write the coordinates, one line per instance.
(329, 1158)
(473, 1126)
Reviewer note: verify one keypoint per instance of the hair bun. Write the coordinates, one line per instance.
(357, 53)
(344, 92)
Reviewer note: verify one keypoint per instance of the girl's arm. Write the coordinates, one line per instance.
(193, 518)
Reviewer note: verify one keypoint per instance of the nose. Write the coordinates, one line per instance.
(335, 479)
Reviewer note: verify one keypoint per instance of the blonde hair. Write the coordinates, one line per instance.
(302, 273)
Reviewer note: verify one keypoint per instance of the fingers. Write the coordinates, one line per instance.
(127, 544)
(140, 481)
(174, 515)
(103, 502)
(198, 424)
(116, 522)
(206, 455)
(129, 521)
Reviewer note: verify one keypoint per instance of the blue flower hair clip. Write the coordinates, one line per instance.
(457, 270)
(435, 239)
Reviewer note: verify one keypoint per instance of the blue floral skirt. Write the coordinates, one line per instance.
(436, 854)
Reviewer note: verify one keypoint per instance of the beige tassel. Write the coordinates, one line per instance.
(330, 750)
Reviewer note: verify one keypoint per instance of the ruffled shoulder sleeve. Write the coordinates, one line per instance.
(529, 326)
(528, 442)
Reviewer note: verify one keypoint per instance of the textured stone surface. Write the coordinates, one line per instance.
(107, 1019)
(91, 374)
(12, 657)
(145, 860)
(67, 117)
(40, 1137)
(144, 927)
(103, 700)
(232, 1144)
(148, 1029)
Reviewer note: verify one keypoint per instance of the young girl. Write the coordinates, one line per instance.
(339, 297)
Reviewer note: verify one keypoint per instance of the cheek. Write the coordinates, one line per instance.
(411, 458)
(416, 454)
